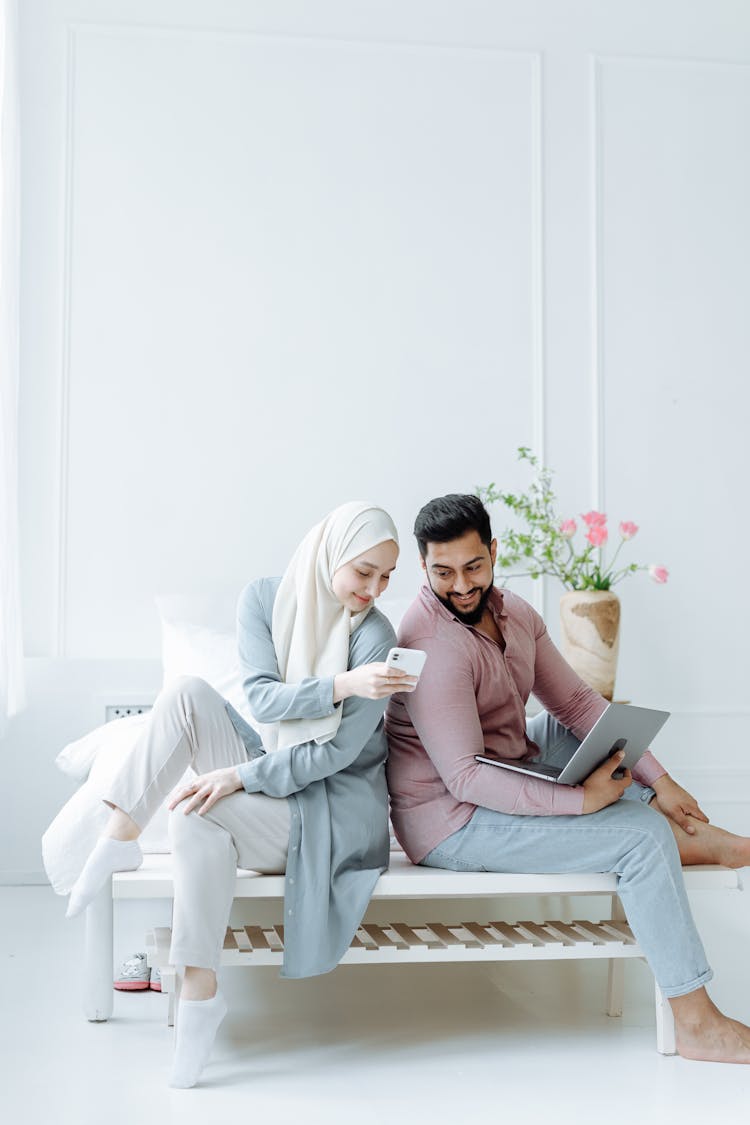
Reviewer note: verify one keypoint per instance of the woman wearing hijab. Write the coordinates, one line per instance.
(306, 797)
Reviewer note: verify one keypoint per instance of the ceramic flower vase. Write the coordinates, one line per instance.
(590, 628)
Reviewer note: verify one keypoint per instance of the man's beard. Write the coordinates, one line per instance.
(475, 615)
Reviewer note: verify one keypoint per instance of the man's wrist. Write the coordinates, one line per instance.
(659, 783)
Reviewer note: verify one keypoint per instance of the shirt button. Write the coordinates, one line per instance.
(291, 882)
(289, 912)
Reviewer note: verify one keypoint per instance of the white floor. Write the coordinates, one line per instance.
(418, 1045)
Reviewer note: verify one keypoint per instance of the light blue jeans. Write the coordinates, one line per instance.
(627, 837)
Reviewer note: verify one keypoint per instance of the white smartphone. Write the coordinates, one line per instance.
(409, 660)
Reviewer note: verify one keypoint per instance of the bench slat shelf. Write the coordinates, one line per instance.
(254, 945)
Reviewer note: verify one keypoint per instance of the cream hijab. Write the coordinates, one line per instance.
(310, 627)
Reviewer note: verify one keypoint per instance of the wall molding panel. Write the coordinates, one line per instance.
(65, 375)
(524, 75)
(597, 317)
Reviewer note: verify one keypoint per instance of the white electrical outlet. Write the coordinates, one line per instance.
(122, 710)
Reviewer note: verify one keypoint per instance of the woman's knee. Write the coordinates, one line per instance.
(189, 829)
(189, 693)
(180, 827)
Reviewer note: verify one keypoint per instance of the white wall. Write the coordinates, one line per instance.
(279, 254)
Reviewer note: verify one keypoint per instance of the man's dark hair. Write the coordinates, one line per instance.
(450, 517)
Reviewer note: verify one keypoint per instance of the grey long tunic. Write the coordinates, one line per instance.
(338, 844)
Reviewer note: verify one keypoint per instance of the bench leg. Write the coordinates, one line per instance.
(98, 958)
(175, 1009)
(169, 985)
(615, 986)
(616, 977)
(665, 1040)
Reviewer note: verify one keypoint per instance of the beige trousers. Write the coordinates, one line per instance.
(189, 728)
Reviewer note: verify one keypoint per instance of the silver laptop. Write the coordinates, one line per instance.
(621, 727)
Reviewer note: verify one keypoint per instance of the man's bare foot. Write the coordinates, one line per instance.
(704, 1033)
(709, 844)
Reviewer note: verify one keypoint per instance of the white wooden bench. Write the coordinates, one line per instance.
(389, 942)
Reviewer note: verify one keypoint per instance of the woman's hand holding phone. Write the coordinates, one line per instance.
(399, 672)
(409, 660)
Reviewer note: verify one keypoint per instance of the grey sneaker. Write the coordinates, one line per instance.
(155, 980)
(134, 974)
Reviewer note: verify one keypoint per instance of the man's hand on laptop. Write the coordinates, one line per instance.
(601, 788)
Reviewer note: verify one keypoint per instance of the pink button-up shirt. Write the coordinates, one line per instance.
(471, 696)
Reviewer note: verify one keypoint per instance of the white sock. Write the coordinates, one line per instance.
(107, 857)
(197, 1024)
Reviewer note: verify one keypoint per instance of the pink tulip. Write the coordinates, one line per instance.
(594, 519)
(568, 529)
(628, 529)
(658, 573)
(597, 535)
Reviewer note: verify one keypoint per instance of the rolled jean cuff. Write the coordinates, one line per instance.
(638, 792)
(684, 989)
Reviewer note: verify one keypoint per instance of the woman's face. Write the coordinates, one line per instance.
(359, 582)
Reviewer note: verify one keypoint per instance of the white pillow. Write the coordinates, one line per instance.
(189, 648)
(71, 836)
(106, 748)
(194, 650)
(216, 609)
(77, 758)
(198, 638)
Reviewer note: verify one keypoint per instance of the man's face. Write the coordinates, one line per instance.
(460, 574)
